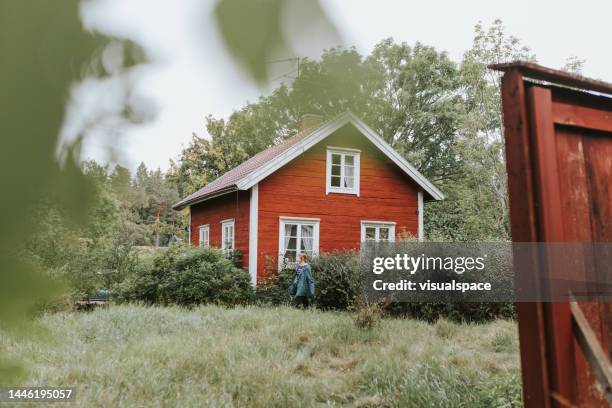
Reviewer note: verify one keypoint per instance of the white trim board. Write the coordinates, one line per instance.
(189, 228)
(253, 231)
(326, 130)
(421, 209)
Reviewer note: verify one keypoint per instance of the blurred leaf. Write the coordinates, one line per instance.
(44, 50)
(253, 29)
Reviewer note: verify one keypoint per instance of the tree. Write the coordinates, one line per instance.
(574, 64)
(410, 95)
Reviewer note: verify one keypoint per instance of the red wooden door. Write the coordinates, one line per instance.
(559, 161)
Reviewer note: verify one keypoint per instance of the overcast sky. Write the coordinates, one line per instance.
(191, 75)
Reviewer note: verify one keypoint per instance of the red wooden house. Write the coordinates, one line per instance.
(329, 187)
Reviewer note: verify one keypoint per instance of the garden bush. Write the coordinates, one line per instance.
(337, 278)
(457, 312)
(339, 286)
(187, 276)
(275, 289)
(337, 282)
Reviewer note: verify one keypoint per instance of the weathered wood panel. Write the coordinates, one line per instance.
(559, 151)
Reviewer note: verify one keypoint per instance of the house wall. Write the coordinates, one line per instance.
(233, 205)
(298, 190)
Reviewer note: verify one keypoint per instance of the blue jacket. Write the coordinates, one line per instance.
(303, 281)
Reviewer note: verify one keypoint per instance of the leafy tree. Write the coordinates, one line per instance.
(410, 95)
(476, 203)
(574, 64)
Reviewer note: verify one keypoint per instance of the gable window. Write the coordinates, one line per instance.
(377, 231)
(205, 236)
(297, 235)
(342, 170)
(227, 235)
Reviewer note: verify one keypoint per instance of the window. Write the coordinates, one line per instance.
(295, 236)
(375, 231)
(227, 235)
(205, 236)
(342, 171)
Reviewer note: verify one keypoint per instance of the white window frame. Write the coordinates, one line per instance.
(378, 225)
(204, 228)
(224, 224)
(314, 222)
(343, 151)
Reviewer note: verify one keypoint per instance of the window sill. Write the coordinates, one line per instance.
(343, 192)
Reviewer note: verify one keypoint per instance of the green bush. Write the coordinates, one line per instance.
(275, 289)
(337, 278)
(339, 285)
(187, 276)
(457, 312)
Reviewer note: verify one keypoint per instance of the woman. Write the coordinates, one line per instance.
(303, 283)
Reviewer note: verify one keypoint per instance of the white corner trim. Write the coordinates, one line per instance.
(253, 232)
(189, 228)
(324, 131)
(420, 210)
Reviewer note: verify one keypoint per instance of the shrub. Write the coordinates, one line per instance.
(367, 315)
(338, 285)
(456, 312)
(337, 278)
(187, 276)
(275, 289)
(337, 282)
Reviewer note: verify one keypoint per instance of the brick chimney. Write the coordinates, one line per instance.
(310, 120)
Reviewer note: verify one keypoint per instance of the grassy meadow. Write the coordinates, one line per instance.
(269, 357)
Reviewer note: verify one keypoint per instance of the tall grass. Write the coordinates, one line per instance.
(269, 357)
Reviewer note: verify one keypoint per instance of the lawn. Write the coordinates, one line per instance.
(269, 357)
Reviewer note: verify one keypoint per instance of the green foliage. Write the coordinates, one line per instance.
(444, 117)
(94, 254)
(475, 208)
(146, 201)
(337, 278)
(408, 94)
(275, 289)
(187, 276)
(338, 283)
(268, 357)
(574, 64)
(367, 315)
(254, 34)
(44, 49)
(456, 312)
